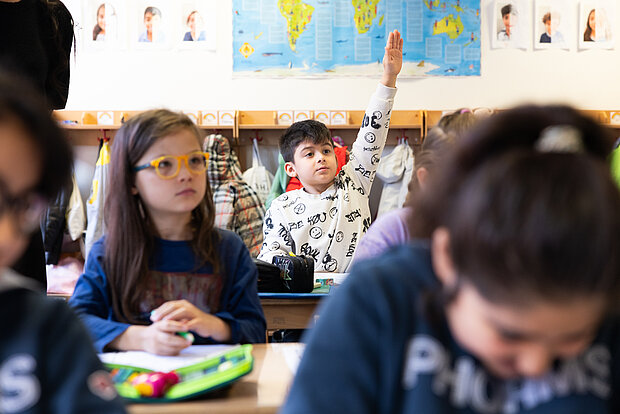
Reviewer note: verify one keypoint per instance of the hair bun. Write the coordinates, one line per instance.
(560, 138)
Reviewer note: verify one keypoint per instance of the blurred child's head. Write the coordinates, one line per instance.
(157, 174)
(308, 151)
(526, 237)
(35, 162)
(437, 142)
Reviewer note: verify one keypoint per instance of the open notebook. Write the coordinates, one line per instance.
(199, 369)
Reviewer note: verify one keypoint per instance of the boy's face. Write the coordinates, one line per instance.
(517, 341)
(19, 173)
(314, 165)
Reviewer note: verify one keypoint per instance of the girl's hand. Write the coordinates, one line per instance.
(393, 59)
(192, 319)
(160, 338)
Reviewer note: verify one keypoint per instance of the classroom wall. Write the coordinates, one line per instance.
(136, 80)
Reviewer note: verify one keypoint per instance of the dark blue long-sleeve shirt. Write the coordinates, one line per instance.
(231, 296)
(377, 349)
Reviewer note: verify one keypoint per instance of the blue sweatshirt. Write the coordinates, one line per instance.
(47, 362)
(375, 349)
(231, 296)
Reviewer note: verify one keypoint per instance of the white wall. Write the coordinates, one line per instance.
(135, 80)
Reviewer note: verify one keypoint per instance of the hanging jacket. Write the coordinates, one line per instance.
(55, 224)
(94, 207)
(258, 177)
(75, 216)
(280, 181)
(395, 170)
(237, 206)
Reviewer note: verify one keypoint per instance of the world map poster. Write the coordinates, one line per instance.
(325, 38)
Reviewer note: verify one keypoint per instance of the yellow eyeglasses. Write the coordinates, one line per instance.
(168, 166)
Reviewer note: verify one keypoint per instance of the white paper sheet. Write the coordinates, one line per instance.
(188, 356)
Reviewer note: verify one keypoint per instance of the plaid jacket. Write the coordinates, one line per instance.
(237, 206)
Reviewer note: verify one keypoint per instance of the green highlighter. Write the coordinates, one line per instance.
(188, 336)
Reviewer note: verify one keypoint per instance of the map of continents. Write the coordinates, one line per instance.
(276, 38)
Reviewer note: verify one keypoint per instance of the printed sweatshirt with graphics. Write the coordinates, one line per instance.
(327, 226)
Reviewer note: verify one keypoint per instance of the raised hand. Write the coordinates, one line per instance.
(393, 59)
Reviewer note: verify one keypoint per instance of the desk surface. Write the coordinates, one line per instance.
(261, 391)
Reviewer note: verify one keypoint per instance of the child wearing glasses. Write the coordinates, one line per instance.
(511, 305)
(162, 267)
(47, 362)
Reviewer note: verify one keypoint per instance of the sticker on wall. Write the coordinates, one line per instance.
(510, 25)
(552, 28)
(226, 118)
(338, 117)
(209, 117)
(597, 20)
(322, 116)
(285, 117)
(194, 116)
(197, 25)
(105, 118)
(302, 115)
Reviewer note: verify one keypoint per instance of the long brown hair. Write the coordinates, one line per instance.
(130, 232)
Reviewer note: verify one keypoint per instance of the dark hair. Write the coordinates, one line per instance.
(153, 10)
(189, 16)
(507, 9)
(308, 130)
(98, 29)
(56, 21)
(129, 231)
(526, 223)
(546, 17)
(587, 35)
(19, 101)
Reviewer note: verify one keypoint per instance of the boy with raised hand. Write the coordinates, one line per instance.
(326, 218)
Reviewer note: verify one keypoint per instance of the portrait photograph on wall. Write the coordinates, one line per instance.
(105, 24)
(151, 24)
(552, 28)
(197, 24)
(597, 21)
(510, 25)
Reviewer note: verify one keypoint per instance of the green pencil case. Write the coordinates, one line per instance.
(193, 380)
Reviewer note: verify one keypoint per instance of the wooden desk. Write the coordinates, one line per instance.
(261, 391)
(289, 310)
(282, 310)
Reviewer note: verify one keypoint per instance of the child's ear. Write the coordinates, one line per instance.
(289, 168)
(442, 257)
(422, 175)
(134, 190)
